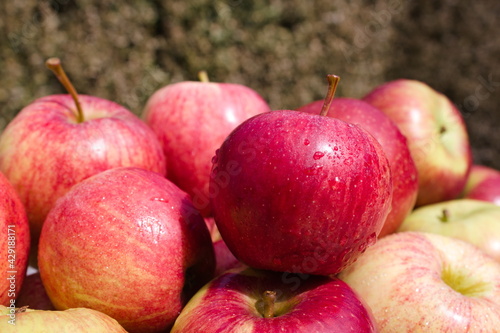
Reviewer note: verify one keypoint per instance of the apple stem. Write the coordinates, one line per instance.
(22, 309)
(203, 76)
(54, 64)
(269, 298)
(445, 215)
(333, 82)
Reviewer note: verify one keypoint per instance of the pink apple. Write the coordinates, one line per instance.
(403, 169)
(14, 243)
(79, 320)
(33, 294)
(300, 193)
(191, 119)
(483, 184)
(419, 282)
(435, 132)
(49, 147)
(259, 301)
(129, 243)
(474, 221)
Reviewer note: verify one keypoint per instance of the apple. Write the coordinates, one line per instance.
(403, 169)
(421, 282)
(436, 135)
(59, 140)
(33, 294)
(191, 119)
(483, 184)
(300, 193)
(473, 221)
(264, 301)
(14, 242)
(129, 243)
(79, 320)
(224, 258)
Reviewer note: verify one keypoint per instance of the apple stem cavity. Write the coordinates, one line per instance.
(333, 82)
(54, 64)
(269, 298)
(445, 216)
(203, 76)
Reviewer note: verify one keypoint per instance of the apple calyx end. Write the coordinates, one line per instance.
(445, 216)
(269, 300)
(54, 64)
(333, 82)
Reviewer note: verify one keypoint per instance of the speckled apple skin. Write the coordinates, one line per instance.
(14, 242)
(302, 193)
(403, 169)
(230, 303)
(191, 120)
(129, 243)
(44, 151)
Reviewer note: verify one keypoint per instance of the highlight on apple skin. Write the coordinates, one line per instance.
(422, 282)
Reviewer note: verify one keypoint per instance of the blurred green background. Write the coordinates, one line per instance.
(124, 51)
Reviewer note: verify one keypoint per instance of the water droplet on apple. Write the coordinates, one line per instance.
(335, 148)
(317, 155)
(372, 239)
(343, 240)
(348, 161)
(314, 170)
(215, 158)
(306, 142)
(159, 199)
(276, 261)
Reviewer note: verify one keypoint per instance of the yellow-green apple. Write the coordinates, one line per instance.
(129, 243)
(78, 320)
(191, 119)
(483, 184)
(473, 221)
(60, 140)
(420, 282)
(300, 193)
(435, 132)
(14, 243)
(263, 301)
(33, 294)
(403, 169)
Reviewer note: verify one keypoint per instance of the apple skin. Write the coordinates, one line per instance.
(232, 303)
(33, 294)
(436, 134)
(421, 282)
(78, 320)
(191, 120)
(474, 221)
(296, 192)
(14, 242)
(44, 151)
(483, 184)
(403, 169)
(129, 243)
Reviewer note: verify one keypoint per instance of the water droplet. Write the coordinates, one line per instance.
(306, 142)
(336, 148)
(277, 261)
(348, 161)
(314, 170)
(159, 199)
(343, 240)
(317, 155)
(372, 239)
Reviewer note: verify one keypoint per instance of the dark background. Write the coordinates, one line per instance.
(283, 49)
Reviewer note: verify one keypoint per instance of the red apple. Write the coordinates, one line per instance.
(14, 242)
(53, 144)
(129, 243)
(260, 301)
(418, 282)
(403, 169)
(300, 193)
(80, 320)
(436, 134)
(33, 294)
(191, 119)
(483, 184)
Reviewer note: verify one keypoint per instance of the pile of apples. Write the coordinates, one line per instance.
(214, 213)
